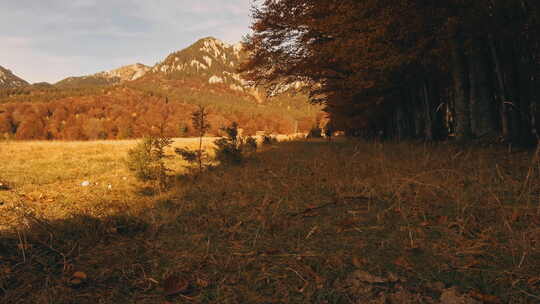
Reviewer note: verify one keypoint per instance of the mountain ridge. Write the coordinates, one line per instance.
(8, 80)
(111, 77)
(208, 58)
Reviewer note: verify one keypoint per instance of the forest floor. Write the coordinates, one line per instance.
(298, 222)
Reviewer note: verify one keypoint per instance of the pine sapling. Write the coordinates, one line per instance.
(200, 123)
(147, 160)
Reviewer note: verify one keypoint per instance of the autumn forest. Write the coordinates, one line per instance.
(408, 69)
(142, 108)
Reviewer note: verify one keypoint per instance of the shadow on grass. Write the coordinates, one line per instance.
(38, 262)
(300, 223)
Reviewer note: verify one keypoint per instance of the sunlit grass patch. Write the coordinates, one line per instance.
(56, 179)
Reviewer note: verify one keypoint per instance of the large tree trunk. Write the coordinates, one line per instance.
(511, 80)
(473, 95)
(416, 113)
(531, 53)
(483, 121)
(389, 126)
(398, 116)
(534, 95)
(438, 110)
(534, 128)
(427, 112)
(418, 121)
(408, 115)
(449, 112)
(501, 96)
(461, 90)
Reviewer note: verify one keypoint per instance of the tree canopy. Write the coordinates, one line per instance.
(407, 68)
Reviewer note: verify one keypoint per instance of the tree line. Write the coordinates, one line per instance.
(124, 113)
(426, 69)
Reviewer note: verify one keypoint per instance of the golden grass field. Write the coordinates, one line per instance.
(49, 174)
(298, 222)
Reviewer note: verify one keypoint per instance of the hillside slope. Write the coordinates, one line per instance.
(8, 80)
(119, 75)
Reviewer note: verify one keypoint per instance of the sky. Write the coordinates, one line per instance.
(49, 40)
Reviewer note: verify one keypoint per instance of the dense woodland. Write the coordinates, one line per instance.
(407, 68)
(149, 106)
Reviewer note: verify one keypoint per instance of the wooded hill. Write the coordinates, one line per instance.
(107, 105)
(408, 68)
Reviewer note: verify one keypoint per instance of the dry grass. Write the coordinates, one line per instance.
(48, 175)
(295, 224)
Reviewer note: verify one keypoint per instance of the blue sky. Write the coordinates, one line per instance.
(48, 40)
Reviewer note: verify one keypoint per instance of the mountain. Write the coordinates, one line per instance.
(122, 74)
(128, 72)
(9, 81)
(137, 100)
(209, 60)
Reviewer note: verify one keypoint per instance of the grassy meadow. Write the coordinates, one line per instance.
(298, 222)
(48, 175)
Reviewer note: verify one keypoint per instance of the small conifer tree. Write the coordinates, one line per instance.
(232, 149)
(200, 123)
(228, 149)
(147, 160)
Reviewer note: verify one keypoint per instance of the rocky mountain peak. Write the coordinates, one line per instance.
(8, 80)
(126, 73)
(210, 59)
(121, 74)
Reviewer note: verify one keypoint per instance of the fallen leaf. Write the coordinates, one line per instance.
(272, 251)
(486, 299)
(515, 215)
(5, 269)
(452, 296)
(443, 219)
(533, 280)
(202, 282)
(403, 262)
(358, 262)
(174, 285)
(80, 275)
(319, 282)
(392, 277)
(77, 278)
